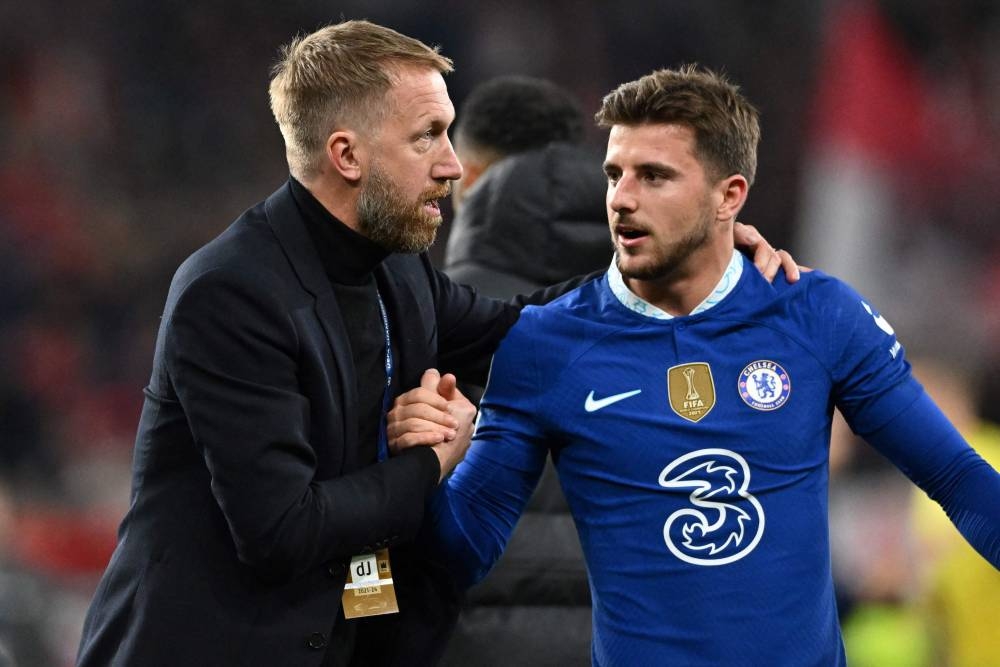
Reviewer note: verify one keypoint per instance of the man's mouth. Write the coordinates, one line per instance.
(628, 235)
(432, 201)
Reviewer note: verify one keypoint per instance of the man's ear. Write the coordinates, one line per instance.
(732, 195)
(343, 154)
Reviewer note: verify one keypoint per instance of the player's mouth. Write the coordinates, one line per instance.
(629, 236)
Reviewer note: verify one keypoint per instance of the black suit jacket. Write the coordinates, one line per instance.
(247, 500)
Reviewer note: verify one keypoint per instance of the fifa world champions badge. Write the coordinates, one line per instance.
(691, 390)
(764, 385)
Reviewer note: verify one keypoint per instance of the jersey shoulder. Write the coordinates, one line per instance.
(562, 329)
(817, 301)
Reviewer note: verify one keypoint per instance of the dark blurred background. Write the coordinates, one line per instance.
(133, 132)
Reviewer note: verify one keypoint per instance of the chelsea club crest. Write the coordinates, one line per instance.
(764, 385)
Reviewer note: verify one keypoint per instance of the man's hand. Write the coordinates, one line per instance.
(435, 414)
(766, 258)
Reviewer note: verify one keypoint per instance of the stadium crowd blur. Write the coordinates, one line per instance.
(130, 133)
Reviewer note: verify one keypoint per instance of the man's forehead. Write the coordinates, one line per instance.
(419, 85)
(650, 138)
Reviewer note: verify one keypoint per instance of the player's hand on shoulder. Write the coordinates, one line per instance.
(766, 258)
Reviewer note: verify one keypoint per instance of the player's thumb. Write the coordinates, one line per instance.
(430, 379)
(448, 386)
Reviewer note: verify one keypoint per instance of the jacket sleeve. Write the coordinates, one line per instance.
(231, 351)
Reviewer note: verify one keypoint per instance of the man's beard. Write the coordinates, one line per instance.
(669, 259)
(388, 219)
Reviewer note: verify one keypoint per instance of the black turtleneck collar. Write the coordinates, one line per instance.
(348, 258)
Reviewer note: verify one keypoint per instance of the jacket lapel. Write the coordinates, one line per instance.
(285, 219)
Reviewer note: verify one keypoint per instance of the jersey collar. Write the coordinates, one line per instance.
(726, 284)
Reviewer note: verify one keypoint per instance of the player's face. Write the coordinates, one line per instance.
(661, 205)
(411, 166)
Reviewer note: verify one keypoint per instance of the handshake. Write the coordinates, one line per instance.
(436, 415)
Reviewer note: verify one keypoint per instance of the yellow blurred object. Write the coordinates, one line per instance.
(886, 635)
(960, 593)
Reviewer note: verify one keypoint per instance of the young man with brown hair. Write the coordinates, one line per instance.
(687, 405)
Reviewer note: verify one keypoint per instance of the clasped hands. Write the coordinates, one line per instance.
(436, 415)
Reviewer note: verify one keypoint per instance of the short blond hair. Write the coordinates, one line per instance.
(337, 76)
(725, 123)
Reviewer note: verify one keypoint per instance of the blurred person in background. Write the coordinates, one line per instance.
(704, 521)
(529, 211)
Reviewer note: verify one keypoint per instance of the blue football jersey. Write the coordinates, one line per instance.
(693, 453)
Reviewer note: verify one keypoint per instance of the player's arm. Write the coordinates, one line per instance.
(886, 406)
(473, 514)
(922, 443)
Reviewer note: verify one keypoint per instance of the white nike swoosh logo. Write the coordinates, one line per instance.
(593, 404)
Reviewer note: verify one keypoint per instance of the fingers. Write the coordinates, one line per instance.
(748, 239)
(787, 263)
(427, 392)
(766, 258)
(435, 413)
(421, 412)
(418, 435)
(448, 387)
(418, 424)
(746, 236)
(421, 416)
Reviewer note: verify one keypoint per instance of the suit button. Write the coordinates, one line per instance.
(336, 569)
(316, 640)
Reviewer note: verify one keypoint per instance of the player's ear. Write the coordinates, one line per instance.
(732, 194)
(344, 154)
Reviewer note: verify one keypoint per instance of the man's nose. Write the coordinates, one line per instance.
(447, 167)
(621, 196)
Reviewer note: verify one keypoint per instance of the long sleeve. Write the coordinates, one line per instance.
(929, 450)
(473, 514)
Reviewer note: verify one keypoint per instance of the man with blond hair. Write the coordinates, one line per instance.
(269, 522)
(261, 465)
(687, 404)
